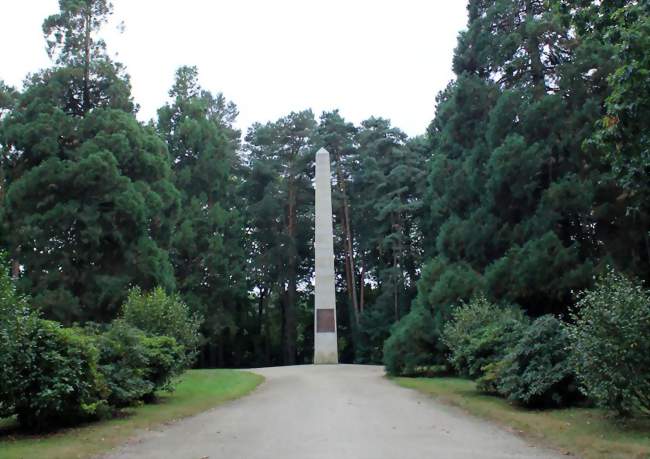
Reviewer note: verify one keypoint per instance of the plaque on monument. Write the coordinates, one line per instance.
(325, 321)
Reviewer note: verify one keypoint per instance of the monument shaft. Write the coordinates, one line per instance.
(325, 343)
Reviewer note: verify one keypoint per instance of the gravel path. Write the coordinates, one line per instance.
(334, 412)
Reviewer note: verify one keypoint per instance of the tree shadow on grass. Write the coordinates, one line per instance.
(10, 429)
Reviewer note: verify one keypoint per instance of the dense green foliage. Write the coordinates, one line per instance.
(538, 179)
(537, 372)
(52, 376)
(532, 177)
(610, 344)
(207, 247)
(196, 392)
(89, 203)
(55, 377)
(481, 333)
(280, 201)
(134, 365)
(48, 374)
(410, 349)
(158, 313)
(623, 132)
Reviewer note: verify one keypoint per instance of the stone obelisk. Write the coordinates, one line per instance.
(325, 344)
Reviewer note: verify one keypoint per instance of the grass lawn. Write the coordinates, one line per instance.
(585, 432)
(198, 391)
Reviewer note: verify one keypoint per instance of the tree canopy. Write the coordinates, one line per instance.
(530, 180)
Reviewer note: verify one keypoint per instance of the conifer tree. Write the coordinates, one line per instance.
(387, 186)
(207, 249)
(89, 202)
(280, 196)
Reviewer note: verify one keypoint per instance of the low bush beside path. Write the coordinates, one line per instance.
(198, 390)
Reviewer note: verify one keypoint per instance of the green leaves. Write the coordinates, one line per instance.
(49, 374)
(72, 31)
(481, 333)
(538, 371)
(158, 313)
(623, 134)
(207, 248)
(610, 345)
(88, 188)
(512, 191)
(414, 345)
(105, 202)
(135, 364)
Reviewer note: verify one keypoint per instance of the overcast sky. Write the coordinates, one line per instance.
(365, 57)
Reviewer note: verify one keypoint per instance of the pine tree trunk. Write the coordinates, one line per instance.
(362, 282)
(260, 311)
(347, 230)
(221, 344)
(346, 265)
(647, 243)
(86, 83)
(534, 54)
(289, 306)
(15, 269)
(396, 286)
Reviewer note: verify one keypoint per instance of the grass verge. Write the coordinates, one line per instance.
(198, 390)
(585, 432)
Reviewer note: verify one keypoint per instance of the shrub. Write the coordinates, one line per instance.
(123, 363)
(538, 371)
(50, 375)
(15, 317)
(165, 359)
(414, 344)
(158, 313)
(135, 365)
(489, 380)
(610, 340)
(481, 333)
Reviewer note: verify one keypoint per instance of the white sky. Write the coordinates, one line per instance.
(366, 57)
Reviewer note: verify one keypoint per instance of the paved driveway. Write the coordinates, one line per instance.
(334, 412)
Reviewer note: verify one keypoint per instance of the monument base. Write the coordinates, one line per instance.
(325, 349)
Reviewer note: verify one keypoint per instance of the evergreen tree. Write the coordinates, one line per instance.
(509, 193)
(386, 191)
(8, 96)
(89, 202)
(281, 204)
(207, 250)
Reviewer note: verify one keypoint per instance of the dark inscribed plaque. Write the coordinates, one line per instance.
(325, 320)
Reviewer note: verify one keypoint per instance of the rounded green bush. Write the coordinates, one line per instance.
(481, 333)
(50, 375)
(610, 340)
(157, 313)
(414, 344)
(135, 365)
(538, 371)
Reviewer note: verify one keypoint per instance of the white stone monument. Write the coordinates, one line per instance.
(325, 343)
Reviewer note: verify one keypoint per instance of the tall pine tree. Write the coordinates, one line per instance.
(89, 203)
(207, 245)
(281, 204)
